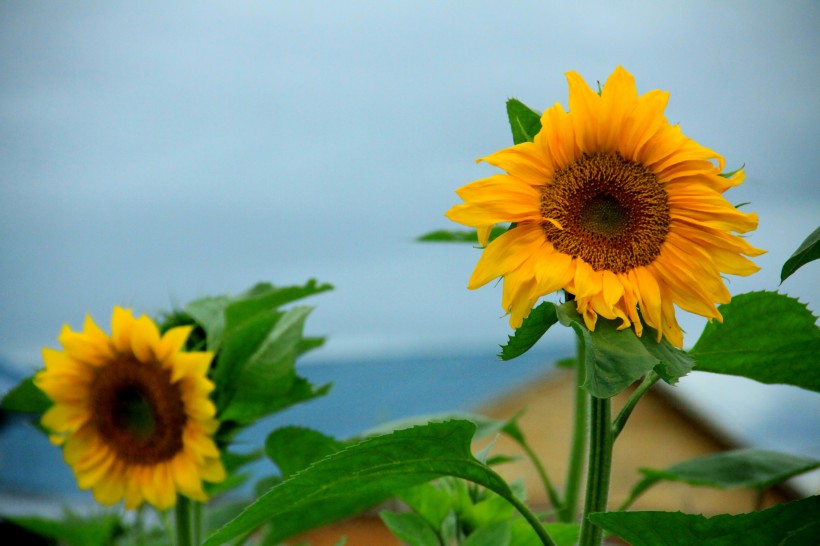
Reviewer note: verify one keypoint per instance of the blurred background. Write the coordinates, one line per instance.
(153, 153)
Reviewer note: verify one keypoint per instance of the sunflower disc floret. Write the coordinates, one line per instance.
(132, 411)
(613, 204)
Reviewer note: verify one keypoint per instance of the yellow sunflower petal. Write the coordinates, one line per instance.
(213, 470)
(553, 271)
(584, 106)
(650, 298)
(521, 163)
(122, 323)
(84, 447)
(199, 443)
(133, 491)
(65, 417)
(189, 364)
(495, 200)
(505, 254)
(483, 234)
(144, 339)
(587, 282)
(84, 348)
(187, 478)
(643, 123)
(110, 490)
(557, 140)
(617, 99)
(164, 489)
(173, 341)
(91, 475)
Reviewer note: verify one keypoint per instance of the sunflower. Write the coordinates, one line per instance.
(132, 411)
(613, 204)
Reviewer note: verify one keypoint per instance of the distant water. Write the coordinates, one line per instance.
(364, 394)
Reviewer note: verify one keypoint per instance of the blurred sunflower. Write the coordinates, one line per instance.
(132, 411)
(614, 205)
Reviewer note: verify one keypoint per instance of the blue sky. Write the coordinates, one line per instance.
(153, 153)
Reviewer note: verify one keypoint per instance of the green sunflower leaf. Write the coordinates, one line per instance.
(778, 525)
(808, 251)
(524, 121)
(362, 475)
(410, 528)
(25, 397)
(257, 360)
(495, 534)
(673, 363)
(459, 235)
(295, 448)
(563, 534)
(430, 501)
(534, 326)
(765, 336)
(752, 468)
(615, 359)
(210, 312)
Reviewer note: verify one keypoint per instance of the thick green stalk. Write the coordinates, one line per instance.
(572, 487)
(183, 521)
(197, 524)
(600, 466)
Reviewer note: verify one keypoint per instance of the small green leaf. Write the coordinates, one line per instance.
(259, 358)
(730, 174)
(808, 251)
(362, 475)
(765, 528)
(210, 312)
(563, 534)
(614, 359)
(489, 511)
(764, 336)
(673, 362)
(534, 326)
(754, 468)
(410, 528)
(495, 534)
(26, 398)
(429, 501)
(98, 530)
(459, 236)
(524, 121)
(295, 448)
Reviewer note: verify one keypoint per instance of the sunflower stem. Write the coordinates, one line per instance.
(620, 421)
(197, 526)
(598, 472)
(555, 499)
(569, 508)
(533, 520)
(183, 521)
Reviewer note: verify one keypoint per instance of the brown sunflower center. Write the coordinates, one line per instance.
(615, 213)
(138, 411)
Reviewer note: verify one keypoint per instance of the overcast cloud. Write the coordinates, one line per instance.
(156, 152)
